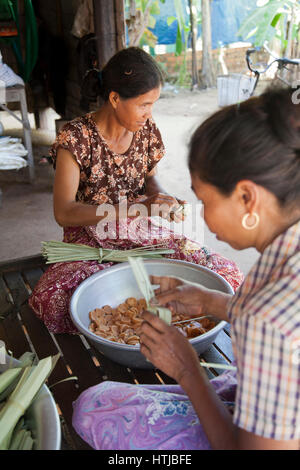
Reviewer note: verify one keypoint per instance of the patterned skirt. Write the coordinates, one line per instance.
(51, 296)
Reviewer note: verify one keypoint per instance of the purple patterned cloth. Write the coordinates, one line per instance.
(122, 416)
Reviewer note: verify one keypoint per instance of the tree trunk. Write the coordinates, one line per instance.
(193, 21)
(208, 73)
(137, 22)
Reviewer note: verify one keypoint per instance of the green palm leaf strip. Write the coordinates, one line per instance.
(146, 289)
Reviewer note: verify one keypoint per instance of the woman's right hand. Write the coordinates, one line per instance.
(190, 299)
(165, 206)
(181, 297)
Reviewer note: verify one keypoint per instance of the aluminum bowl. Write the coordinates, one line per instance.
(42, 417)
(113, 285)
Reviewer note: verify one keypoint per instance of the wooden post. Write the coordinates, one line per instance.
(109, 28)
(120, 24)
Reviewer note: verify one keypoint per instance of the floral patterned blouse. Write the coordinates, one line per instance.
(106, 176)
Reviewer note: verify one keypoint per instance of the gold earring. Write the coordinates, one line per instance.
(245, 218)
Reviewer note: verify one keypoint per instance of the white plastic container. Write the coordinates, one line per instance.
(234, 88)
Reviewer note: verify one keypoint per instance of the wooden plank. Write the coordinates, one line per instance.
(165, 378)
(5, 304)
(4, 337)
(213, 355)
(79, 360)
(11, 329)
(131, 374)
(146, 376)
(21, 263)
(5, 307)
(15, 337)
(17, 288)
(32, 276)
(112, 370)
(224, 345)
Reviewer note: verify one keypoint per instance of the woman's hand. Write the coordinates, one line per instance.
(165, 206)
(193, 300)
(180, 297)
(167, 348)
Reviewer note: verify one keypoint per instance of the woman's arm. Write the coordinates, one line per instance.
(172, 353)
(152, 184)
(217, 422)
(67, 211)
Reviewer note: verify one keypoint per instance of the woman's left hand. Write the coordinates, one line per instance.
(167, 348)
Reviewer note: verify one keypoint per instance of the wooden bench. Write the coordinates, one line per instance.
(22, 331)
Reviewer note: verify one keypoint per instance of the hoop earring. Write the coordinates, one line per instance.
(245, 218)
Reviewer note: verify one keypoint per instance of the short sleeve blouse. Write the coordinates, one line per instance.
(106, 176)
(265, 330)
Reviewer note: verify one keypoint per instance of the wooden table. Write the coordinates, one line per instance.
(22, 331)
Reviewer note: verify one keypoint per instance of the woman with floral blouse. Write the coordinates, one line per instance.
(101, 160)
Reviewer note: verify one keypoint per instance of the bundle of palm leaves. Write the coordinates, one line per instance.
(58, 252)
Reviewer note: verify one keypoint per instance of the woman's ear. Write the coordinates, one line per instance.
(114, 99)
(248, 195)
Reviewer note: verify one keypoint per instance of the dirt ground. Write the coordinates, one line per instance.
(26, 215)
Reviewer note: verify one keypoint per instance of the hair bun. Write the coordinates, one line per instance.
(283, 116)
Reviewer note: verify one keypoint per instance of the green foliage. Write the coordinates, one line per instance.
(183, 30)
(269, 21)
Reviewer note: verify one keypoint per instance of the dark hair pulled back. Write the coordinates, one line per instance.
(130, 72)
(258, 140)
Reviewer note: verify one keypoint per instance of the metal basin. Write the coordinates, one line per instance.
(113, 285)
(42, 417)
